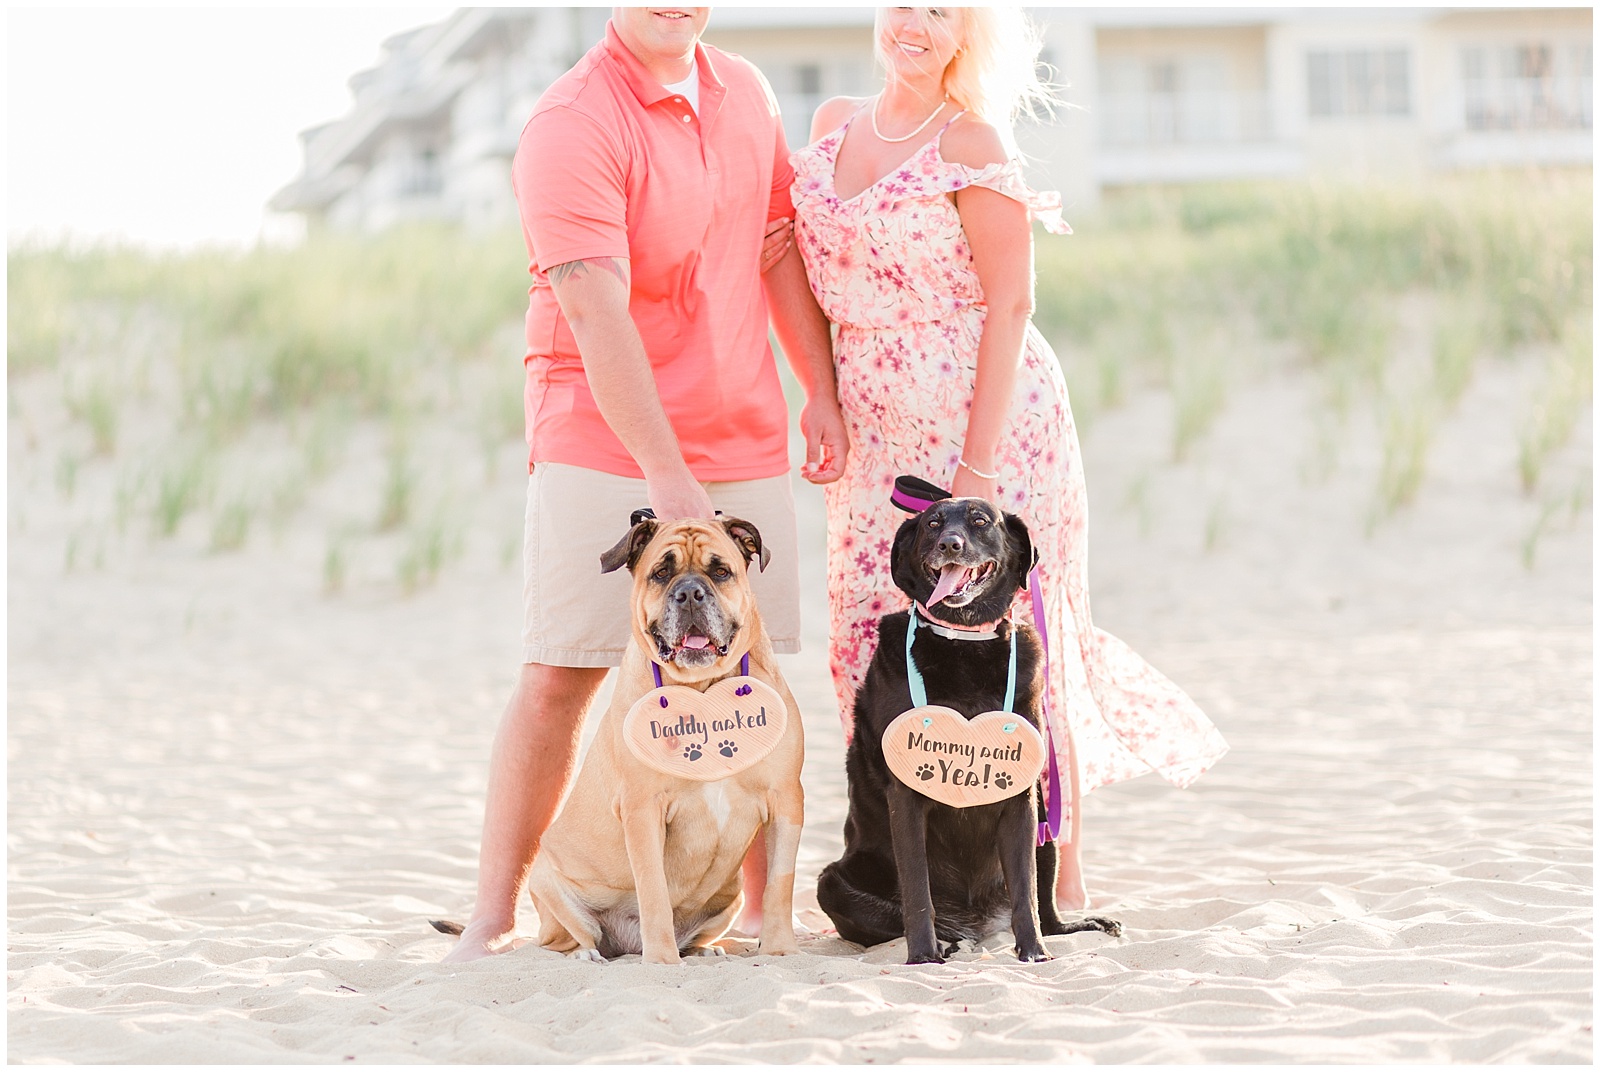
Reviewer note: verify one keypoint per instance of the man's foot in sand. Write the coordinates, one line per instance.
(482, 938)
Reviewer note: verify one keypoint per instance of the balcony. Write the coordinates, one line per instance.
(1191, 118)
(1189, 137)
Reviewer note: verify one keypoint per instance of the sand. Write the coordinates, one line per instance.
(234, 802)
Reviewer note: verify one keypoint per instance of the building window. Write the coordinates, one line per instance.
(1177, 100)
(1358, 82)
(808, 79)
(421, 175)
(1527, 87)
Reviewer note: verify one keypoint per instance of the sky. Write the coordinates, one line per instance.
(171, 127)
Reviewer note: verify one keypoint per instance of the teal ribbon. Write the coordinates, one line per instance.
(919, 691)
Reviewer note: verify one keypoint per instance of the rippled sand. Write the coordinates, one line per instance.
(234, 803)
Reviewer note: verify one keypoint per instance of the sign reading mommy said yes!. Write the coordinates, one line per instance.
(963, 762)
(703, 736)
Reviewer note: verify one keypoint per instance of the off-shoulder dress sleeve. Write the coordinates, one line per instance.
(1006, 178)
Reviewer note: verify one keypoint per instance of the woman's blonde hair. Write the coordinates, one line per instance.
(995, 71)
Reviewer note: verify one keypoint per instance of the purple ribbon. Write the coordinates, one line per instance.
(655, 668)
(909, 502)
(1050, 829)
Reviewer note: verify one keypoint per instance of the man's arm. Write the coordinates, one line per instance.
(807, 344)
(593, 295)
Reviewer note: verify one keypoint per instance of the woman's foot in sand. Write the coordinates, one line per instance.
(482, 938)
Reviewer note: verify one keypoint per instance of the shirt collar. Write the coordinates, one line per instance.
(643, 83)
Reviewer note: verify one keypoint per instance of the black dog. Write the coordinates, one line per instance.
(911, 865)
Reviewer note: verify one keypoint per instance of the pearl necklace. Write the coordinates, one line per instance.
(905, 137)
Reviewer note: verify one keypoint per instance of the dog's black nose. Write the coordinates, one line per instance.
(951, 542)
(688, 588)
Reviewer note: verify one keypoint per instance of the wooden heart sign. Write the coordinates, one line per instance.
(703, 736)
(963, 762)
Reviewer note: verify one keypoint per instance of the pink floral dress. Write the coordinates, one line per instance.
(891, 268)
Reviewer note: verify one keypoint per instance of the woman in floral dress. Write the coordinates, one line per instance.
(913, 219)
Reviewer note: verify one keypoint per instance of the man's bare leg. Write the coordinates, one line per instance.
(531, 764)
(755, 886)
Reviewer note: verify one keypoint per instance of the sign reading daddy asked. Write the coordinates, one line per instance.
(963, 762)
(703, 736)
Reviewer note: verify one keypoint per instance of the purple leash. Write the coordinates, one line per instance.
(744, 671)
(1050, 829)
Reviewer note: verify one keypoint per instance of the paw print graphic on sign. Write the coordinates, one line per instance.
(692, 753)
(925, 771)
(727, 748)
(1002, 780)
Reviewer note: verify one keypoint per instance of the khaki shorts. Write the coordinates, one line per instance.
(573, 615)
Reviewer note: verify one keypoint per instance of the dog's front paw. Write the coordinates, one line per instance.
(669, 957)
(1032, 955)
(778, 947)
(591, 955)
(1096, 923)
(930, 957)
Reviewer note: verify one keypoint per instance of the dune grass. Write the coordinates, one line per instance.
(1566, 390)
(168, 364)
(1507, 260)
(315, 341)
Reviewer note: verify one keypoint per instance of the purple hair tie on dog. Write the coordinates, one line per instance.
(914, 495)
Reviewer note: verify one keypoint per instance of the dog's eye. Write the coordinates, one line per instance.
(979, 521)
(661, 573)
(933, 522)
(721, 573)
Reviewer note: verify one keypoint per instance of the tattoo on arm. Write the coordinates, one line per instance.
(617, 266)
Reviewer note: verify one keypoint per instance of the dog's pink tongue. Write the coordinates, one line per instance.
(952, 577)
(696, 642)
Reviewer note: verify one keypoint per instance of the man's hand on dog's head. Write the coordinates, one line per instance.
(678, 495)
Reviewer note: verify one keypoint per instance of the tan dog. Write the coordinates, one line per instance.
(644, 862)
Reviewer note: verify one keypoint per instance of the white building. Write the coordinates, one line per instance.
(1158, 96)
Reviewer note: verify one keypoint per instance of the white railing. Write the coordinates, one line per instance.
(1529, 104)
(1194, 118)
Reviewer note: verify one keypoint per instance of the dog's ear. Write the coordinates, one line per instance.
(630, 547)
(1020, 542)
(901, 568)
(748, 540)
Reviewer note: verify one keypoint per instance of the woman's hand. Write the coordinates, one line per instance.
(779, 237)
(967, 484)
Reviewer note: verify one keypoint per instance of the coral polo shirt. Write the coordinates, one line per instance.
(612, 164)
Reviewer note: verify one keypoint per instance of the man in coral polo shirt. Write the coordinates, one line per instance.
(646, 179)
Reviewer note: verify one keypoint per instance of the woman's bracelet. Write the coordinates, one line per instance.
(975, 471)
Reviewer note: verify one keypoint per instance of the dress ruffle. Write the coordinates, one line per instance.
(924, 174)
(1006, 178)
